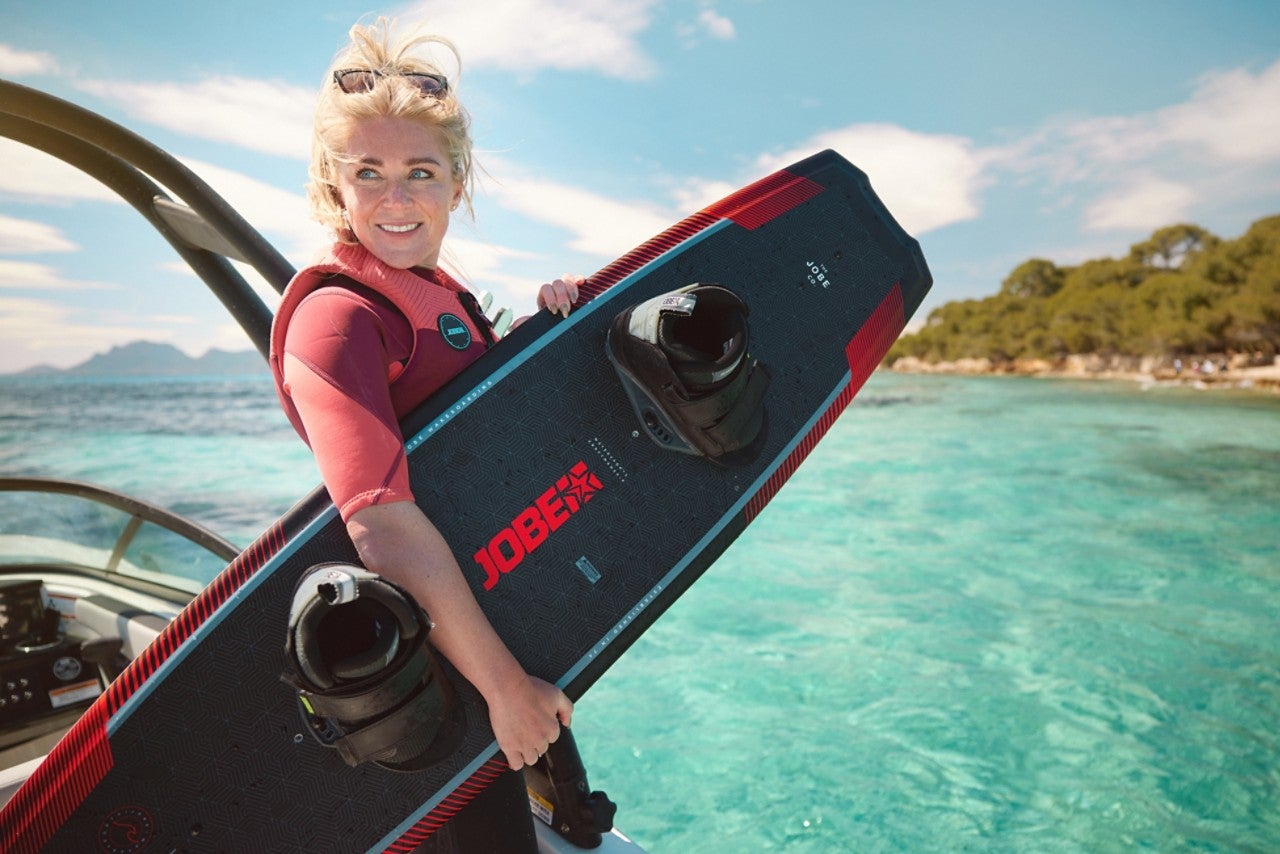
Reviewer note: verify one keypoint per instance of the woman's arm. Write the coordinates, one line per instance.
(334, 368)
(400, 543)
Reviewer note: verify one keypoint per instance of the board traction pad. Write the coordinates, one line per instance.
(583, 532)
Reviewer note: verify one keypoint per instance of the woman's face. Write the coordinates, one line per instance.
(396, 184)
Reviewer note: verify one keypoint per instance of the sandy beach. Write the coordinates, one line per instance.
(1213, 372)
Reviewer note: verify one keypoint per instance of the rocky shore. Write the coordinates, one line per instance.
(1236, 371)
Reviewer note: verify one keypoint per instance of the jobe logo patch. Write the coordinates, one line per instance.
(534, 524)
(455, 332)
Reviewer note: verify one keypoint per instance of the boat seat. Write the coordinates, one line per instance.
(106, 617)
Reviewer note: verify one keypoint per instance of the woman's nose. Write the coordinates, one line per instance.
(398, 193)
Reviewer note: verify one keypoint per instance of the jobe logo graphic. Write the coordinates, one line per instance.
(534, 524)
(126, 830)
(818, 274)
(455, 332)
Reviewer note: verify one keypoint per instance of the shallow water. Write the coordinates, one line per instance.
(987, 614)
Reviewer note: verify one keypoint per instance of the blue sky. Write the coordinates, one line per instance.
(995, 131)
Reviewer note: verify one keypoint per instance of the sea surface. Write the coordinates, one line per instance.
(987, 614)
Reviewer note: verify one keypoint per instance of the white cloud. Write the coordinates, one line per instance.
(716, 25)
(38, 176)
(528, 35)
(1234, 114)
(478, 259)
(269, 209)
(485, 266)
(24, 237)
(53, 330)
(697, 193)
(1231, 116)
(35, 175)
(31, 331)
(927, 180)
(36, 331)
(1147, 203)
(259, 115)
(29, 275)
(709, 23)
(1150, 169)
(600, 226)
(22, 63)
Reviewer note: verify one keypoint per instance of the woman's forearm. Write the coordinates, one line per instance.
(400, 543)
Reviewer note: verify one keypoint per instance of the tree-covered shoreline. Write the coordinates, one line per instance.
(1182, 295)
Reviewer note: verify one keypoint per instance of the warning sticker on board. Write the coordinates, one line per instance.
(70, 694)
(540, 807)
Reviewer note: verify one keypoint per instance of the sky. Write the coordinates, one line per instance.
(994, 131)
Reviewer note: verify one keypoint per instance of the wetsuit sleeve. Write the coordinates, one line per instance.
(335, 371)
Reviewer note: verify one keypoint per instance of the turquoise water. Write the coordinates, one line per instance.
(988, 614)
(216, 450)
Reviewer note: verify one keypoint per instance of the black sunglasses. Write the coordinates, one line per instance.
(356, 80)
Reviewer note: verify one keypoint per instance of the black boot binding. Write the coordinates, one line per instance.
(368, 683)
(683, 360)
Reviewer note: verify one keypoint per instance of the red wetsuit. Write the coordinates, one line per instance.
(368, 344)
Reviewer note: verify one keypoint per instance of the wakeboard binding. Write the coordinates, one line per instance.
(684, 361)
(369, 684)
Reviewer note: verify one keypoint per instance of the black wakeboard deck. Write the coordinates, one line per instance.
(574, 528)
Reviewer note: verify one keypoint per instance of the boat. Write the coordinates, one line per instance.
(89, 577)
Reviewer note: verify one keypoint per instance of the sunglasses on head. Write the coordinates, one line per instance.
(356, 80)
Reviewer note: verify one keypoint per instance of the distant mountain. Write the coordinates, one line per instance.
(149, 359)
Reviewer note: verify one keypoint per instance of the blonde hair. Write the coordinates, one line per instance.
(379, 48)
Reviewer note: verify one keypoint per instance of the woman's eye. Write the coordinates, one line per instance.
(366, 174)
(421, 174)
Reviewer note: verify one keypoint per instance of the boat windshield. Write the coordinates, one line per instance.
(69, 526)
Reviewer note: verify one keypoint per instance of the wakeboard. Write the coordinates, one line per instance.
(575, 526)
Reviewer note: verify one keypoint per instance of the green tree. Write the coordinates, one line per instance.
(1172, 246)
(1034, 278)
(1171, 314)
(1254, 309)
(1183, 291)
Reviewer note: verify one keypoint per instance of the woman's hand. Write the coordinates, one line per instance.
(559, 296)
(526, 716)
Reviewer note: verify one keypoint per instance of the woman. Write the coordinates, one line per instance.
(365, 335)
